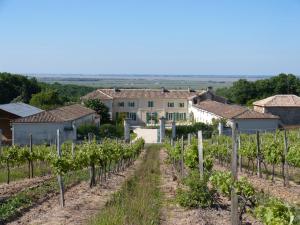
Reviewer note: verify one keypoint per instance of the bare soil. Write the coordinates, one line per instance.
(82, 202)
(174, 214)
(290, 194)
(14, 187)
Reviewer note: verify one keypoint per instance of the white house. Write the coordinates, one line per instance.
(146, 106)
(248, 120)
(43, 126)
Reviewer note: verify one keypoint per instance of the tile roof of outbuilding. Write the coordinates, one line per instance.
(279, 101)
(62, 114)
(232, 111)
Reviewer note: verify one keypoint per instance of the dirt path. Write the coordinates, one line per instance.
(81, 202)
(173, 214)
(290, 194)
(7, 190)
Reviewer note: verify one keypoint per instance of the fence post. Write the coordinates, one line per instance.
(189, 138)
(0, 142)
(200, 153)
(285, 166)
(59, 177)
(162, 129)
(126, 130)
(234, 197)
(181, 158)
(239, 154)
(173, 130)
(258, 155)
(30, 163)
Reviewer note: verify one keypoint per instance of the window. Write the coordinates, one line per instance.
(181, 104)
(176, 116)
(130, 104)
(150, 104)
(121, 104)
(152, 117)
(169, 116)
(170, 104)
(131, 115)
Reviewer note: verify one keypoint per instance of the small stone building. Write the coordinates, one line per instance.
(249, 121)
(10, 112)
(43, 126)
(287, 107)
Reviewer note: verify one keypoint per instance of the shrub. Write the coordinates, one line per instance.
(85, 129)
(197, 193)
(111, 131)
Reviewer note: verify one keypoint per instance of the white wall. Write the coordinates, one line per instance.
(45, 133)
(202, 115)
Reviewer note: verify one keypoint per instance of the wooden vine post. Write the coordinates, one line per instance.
(285, 165)
(0, 142)
(189, 138)
(181, 158)
(258, 155)
(92, 166)
(239, 155)
(234, 196)
(30, 161)
(59, 176)
(200, 153)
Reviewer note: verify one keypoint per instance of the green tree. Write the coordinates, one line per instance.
(100, 109)
(48, 99)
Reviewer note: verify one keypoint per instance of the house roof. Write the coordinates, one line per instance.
(232, 111)
(106, 94)
(62, 114)
(279, 101)
(20, 109)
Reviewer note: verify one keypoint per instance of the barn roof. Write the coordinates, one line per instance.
(279, 101)
(20, 109)
(232, 111)
(62, 114)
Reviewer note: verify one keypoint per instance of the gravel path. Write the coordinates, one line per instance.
(82, 202)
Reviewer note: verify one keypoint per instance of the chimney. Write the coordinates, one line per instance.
(163, 90)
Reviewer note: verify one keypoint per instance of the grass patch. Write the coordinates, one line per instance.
(13, 206)
(20, 172)
(139, 200)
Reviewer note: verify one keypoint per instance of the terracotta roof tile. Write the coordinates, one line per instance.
(279, 101)
(232, 111)
(62, 114)
(106, 94)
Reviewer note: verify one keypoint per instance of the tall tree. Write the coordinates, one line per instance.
(100, 108)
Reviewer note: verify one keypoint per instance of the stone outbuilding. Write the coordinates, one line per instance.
(44, 125)
(249, 121)
(10, 112)
(287, 107)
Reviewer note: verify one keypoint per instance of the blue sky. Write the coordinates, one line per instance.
(150, 37)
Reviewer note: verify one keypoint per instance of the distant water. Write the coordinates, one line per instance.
(149, 77)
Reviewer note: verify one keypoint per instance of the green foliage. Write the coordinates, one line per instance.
(47, 99)
(245, 92)
(198, 194)
(100, 108)
(111, 131)
(84, 129)
(191, 158)
(184, 130)
(17, 88)
(274, 212)
(221, 181)
(293, 156)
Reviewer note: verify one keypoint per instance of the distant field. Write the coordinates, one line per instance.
(146, 81)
